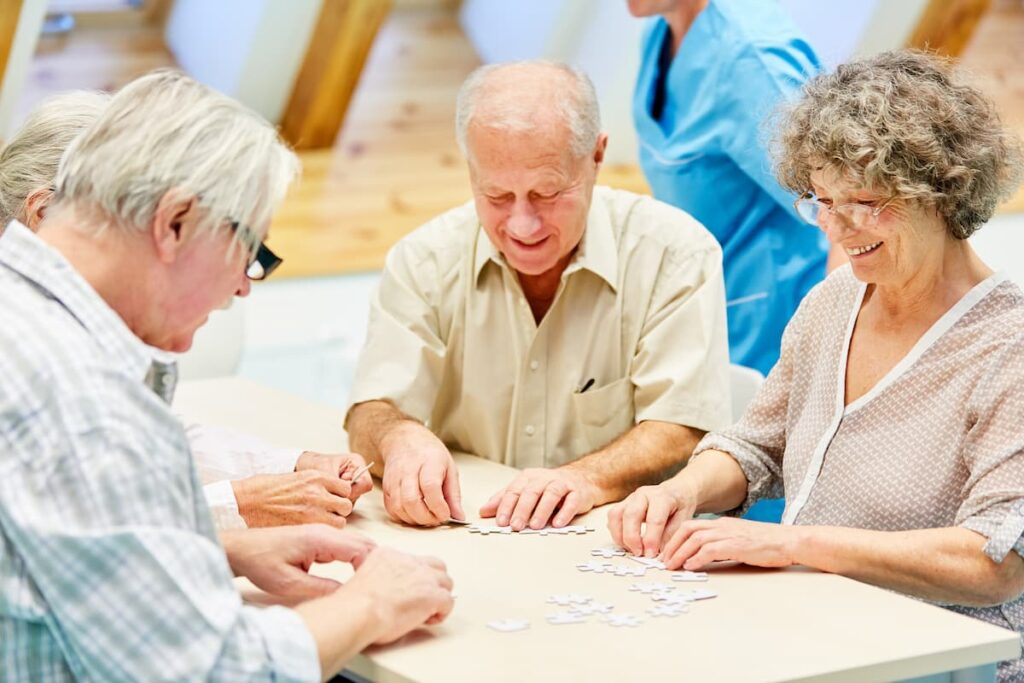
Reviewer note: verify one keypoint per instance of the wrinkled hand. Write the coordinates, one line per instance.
(649, 516)
(537, 494)
(421, 482)
(277, 560)
(407, 591)
(303, 497)
(699, 542)
(342, 465)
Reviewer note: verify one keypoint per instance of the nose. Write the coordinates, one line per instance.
(523, 221)
(832, 224)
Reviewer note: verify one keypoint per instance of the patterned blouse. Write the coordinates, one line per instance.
(938, 442)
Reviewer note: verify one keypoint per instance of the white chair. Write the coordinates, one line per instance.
(217, 346)
(744, 384)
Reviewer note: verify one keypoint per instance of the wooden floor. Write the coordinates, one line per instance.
(396, 164)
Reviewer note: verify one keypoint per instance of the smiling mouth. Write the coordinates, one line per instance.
(528, 245)
(867, 248)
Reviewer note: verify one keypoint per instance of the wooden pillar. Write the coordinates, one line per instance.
(341, 40)
(946, 26)
(10, 12)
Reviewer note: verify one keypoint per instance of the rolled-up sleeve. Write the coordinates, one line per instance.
(403, 357)
(681, 368)
(994, 455)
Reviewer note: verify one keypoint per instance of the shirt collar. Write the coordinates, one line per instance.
(24, 253)
(597, 251)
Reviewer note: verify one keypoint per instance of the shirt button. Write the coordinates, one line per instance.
(529, 430)
(534, 365)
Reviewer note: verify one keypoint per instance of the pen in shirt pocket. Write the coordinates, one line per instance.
(586, 385)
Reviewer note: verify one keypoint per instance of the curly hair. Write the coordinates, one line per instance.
(904, 124)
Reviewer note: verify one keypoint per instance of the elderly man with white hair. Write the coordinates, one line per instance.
(110, 568)
(573, 331)
(247, 481)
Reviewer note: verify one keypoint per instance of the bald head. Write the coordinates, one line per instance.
(537, 97)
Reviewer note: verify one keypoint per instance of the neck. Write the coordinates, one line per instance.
(934, 287)
(681, 18)
(540, 290)
(109, 261)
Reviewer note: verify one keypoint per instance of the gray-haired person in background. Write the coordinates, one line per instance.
(110, 568)
(248, 482)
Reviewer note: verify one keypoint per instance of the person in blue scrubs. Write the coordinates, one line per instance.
(711, 74)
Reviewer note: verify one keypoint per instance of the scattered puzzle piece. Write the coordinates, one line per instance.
(596, 567)
(509, 625)
(648, 588)
(689, 576)
(608, 552)
(566, 599)
(618, 620)
(488, 529)
(667, 610)
(700, 594)
(563, 618)
(593, 608)
(651, 562)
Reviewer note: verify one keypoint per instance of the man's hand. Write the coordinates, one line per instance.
(649, 516)
(421, 482)
(303, 497)
(343, 465)
(536, 494)
(406, 591)
(278, 560)
(699, 542)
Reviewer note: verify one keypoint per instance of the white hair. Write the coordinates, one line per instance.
(163, 132)
(29, 160)
(576, 104)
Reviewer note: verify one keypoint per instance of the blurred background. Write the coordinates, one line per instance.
(365, 91)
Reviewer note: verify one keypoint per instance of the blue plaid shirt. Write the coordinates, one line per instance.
(110, 568)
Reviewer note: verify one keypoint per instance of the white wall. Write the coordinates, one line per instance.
(249, 49)
(30, 22)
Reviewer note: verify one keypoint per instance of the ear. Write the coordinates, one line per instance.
(599, 149)
(174, 222)
(35, 207)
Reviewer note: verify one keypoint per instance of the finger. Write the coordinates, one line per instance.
(506, 506)
(711, 552)
(490, 508)
(392, 504)
(336, 505)
(632, 520)
(305, 586)
(337, 486)
(615, 523)
(362, 484)
(352, 463)
(453, 492)
(570, 507)
(658, 511)
(431, 481)
(523, 510)
(546, 507)
(322, 516)
(412, 501)
(692, 545)
(330, 545)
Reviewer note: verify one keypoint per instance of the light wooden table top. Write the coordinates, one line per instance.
(765, 625)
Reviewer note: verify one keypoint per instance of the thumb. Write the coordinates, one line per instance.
(452, 493)
(306, 586)
(490, 508)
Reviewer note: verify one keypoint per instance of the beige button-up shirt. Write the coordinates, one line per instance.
(636, 332)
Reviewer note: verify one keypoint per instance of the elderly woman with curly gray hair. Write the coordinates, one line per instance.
(893, 423)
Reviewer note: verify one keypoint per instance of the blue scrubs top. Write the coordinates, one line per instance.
(704, 152)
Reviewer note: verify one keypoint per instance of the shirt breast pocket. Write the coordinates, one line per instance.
(604, 413)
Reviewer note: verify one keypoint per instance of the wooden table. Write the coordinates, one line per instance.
(765, 625)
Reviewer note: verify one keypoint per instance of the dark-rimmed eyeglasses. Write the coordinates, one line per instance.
(264, 261)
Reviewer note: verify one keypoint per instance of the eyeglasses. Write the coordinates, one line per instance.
(264, 261)
(811, 210)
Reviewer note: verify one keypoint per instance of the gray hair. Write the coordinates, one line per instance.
(165, 131)
(30, 159)
(905, 124)
(576, 104)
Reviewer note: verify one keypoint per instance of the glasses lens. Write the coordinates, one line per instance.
(808, 210)
(255, 271)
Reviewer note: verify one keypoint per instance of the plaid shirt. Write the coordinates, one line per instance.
(110, 568)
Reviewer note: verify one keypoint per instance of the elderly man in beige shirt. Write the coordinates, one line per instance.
(573, 331)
